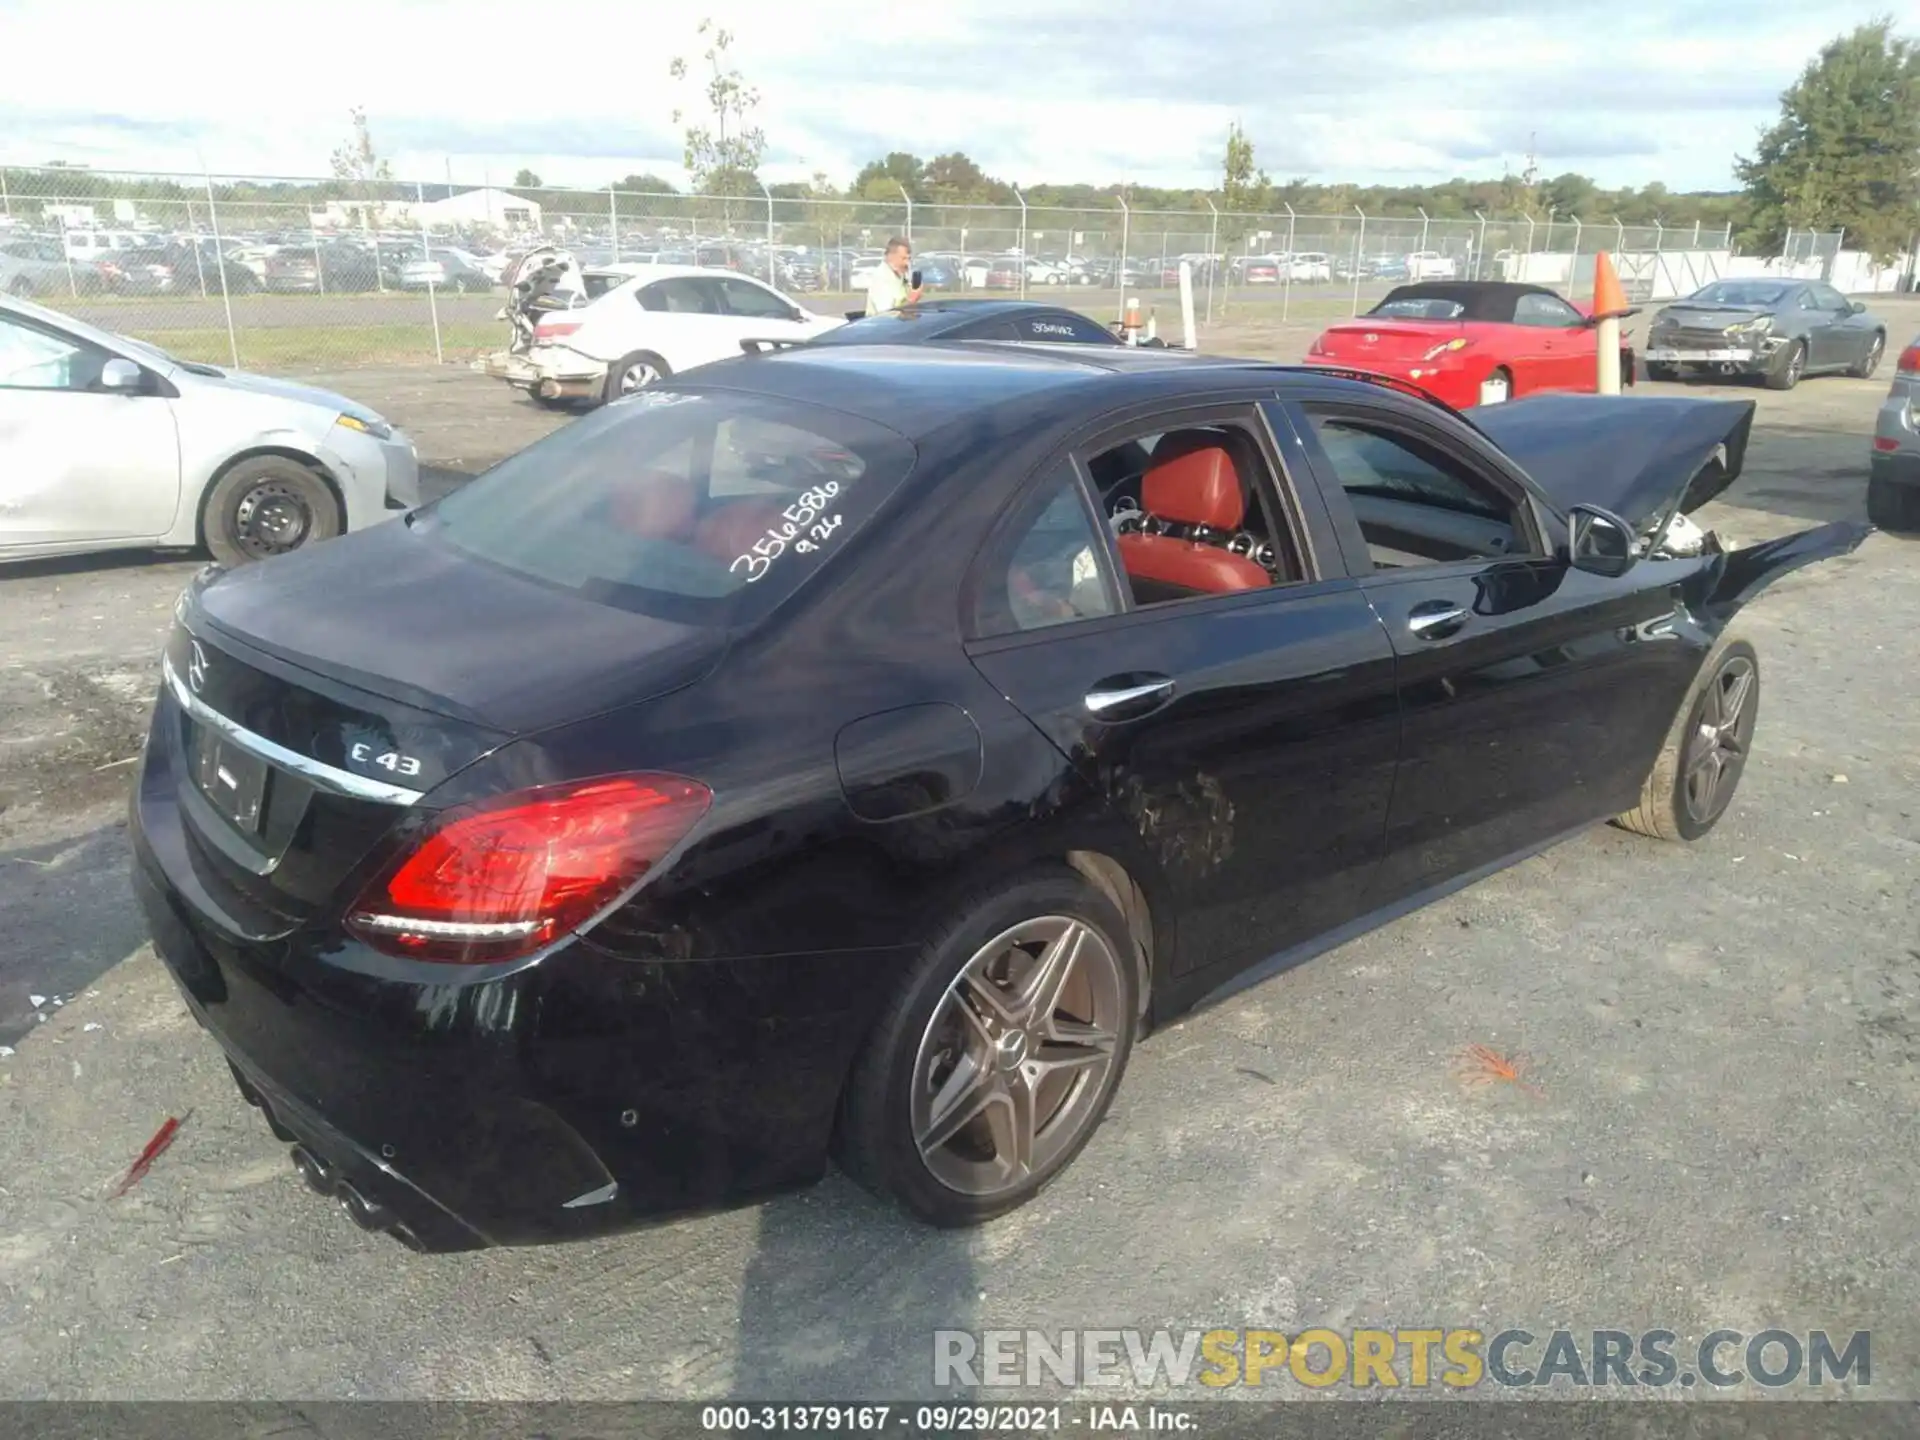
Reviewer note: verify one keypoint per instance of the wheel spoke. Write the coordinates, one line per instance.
(1041, 995)
(965, 1093)
(1078, 1048)
(1734, 701)
(988, 1007)
(1704, 781)
(1010, 1121)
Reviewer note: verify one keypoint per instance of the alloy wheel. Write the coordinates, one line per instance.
(1722, 734)
(271, 519)
(1013, 1065)
(1872, 362)
(1796, 362)
(637, 376)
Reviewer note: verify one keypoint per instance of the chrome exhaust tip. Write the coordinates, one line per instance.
(315, 1171)
(362, 1211)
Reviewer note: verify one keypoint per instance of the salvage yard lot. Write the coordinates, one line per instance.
(1717, 1129)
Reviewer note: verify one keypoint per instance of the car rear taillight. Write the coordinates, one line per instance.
(1910, 359)
(554, 329)
(508, 877)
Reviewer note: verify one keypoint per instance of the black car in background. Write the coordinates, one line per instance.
(855, 750)
(1776, 330)
(942, 320)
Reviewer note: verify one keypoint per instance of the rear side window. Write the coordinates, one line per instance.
(1545, 311)
(597, 283)
(1049, 568)
(685, 505)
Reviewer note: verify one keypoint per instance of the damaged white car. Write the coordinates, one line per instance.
(658, 320)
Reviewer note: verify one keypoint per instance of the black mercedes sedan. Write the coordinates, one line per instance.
(852, 752)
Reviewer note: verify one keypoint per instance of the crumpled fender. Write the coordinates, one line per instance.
(1719, 590)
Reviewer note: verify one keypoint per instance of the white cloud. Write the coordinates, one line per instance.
(1103, 90)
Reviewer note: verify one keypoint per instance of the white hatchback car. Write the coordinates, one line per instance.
(661, 320)
(107, 443)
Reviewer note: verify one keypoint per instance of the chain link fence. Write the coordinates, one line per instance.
(292, 274)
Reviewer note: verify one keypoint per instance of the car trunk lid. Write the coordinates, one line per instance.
(319, 696)
(1387, 339)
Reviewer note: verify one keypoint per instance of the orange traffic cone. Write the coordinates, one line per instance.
(1609, 304)
(1608, 298)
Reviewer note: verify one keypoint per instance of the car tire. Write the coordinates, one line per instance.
(1870, 362)
(1658, 370)
(1893, 507)
(614, 386)
(550, 402)
(1672, 805)
(924, 1036)
(267, 505)
(1793, 364)
(1497, 388)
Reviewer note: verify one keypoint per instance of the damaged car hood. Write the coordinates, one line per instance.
(1636, 456)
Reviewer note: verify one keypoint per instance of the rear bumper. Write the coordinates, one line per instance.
(582, 1095)
(1755, 359)
(1897, 467)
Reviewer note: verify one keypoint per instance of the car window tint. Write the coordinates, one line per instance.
(1415, 505)
(1808, 300)
(1429, 308)
(1830, 298)
(1063, 327)
(1544, 310)
(676, 503)
(35, 359)
(743, 297)
(1049, 569)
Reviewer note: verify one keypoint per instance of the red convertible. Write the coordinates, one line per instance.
(1471, 342)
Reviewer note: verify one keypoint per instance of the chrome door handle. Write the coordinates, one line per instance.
(1436, 624)
(1108, 703)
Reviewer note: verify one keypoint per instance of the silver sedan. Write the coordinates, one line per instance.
(107, 443)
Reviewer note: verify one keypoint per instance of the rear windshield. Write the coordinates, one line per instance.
(1429, 308)
(690, 506)
(1742, 292)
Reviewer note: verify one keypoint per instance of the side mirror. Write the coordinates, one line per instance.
(1599, 541)
(1858, 307)
(123, 377)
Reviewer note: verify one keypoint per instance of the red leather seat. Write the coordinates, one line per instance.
(729, 530)
(1200, 487)
(658, 505)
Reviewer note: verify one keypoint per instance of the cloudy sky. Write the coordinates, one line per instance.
(1390, 91)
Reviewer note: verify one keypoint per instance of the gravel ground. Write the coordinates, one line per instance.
(1724, 1047)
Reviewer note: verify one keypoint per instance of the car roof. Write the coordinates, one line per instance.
(649, 272)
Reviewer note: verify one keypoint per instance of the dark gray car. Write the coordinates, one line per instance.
(1779, 330)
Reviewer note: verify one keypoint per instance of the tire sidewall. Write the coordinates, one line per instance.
(1064, 893)
(611, 391)
(1688, 827)
(220, 510)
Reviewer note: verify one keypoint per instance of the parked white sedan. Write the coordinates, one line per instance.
(107, 443)
(660, 321)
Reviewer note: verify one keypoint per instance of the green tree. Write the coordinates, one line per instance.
(885, 179)
(525, 179)
(724, 148)
(362, 171)
(1846, 148)
(646, 184)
